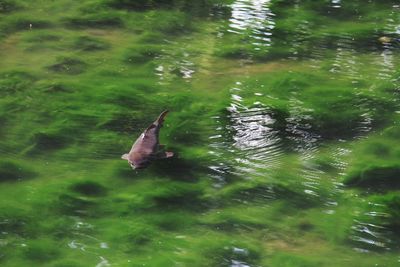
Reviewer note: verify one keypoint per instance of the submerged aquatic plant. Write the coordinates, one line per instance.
(284, 123)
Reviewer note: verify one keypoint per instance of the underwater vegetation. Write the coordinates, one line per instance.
(11, 171)
(377, 165)
(284, 122)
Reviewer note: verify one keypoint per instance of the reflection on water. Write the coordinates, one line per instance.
(103, 262)
(369, 234)
(386, 61)
(252, 18)
(336, 3)
(85, 242)
(345, 58)
(246, 144)
(255, 145)
(175, 63)
(299, 127)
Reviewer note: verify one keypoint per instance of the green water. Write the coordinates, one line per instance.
(284, 120)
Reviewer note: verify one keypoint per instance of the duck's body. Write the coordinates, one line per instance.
(147, 147)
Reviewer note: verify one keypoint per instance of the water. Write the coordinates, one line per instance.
(283, 118)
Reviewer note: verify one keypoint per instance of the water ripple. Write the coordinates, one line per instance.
(369, 231)
(253, 18)
(252, 144)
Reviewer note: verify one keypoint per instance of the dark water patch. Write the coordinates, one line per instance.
(178, 168)
(305, 226)
(124, 123)
(92, 7)
(56, 88)
(15, 81)
(172, 221)
(140, 5)
(391, 206)
(22, 23)
(203, 8)
(337, 121)
(376, 178)
(135, 98)
(16, 224)
(12, 171)
(187, 132)
(125, 171)
(70, 66)
(170, 23)
(87, 44)
(96, 20)
(7, 6)
(43, 37)
(3, 123)
(138, 239)
(89, 188)
(181, 198)
(142, 54)
(105, 146)
(348, 117)
(41, 250)
(233, 52)
(49, 141)
(325, 163)
(375, 165)
(68, 204)
(219, 9)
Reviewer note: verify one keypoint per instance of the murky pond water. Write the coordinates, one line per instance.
(284, 120)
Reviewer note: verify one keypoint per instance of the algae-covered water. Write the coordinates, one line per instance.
(284, 119)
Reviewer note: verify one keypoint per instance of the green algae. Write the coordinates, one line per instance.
(142, 54)
(284, 156)
(7, 6)
(377, 166)
(100, 20)
(87, 43)
(89, 188)
(41, 251)
(300, 24)
(71, 66)
(15, 81)
(13, 171)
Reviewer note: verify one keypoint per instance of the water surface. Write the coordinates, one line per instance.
(284, 120)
